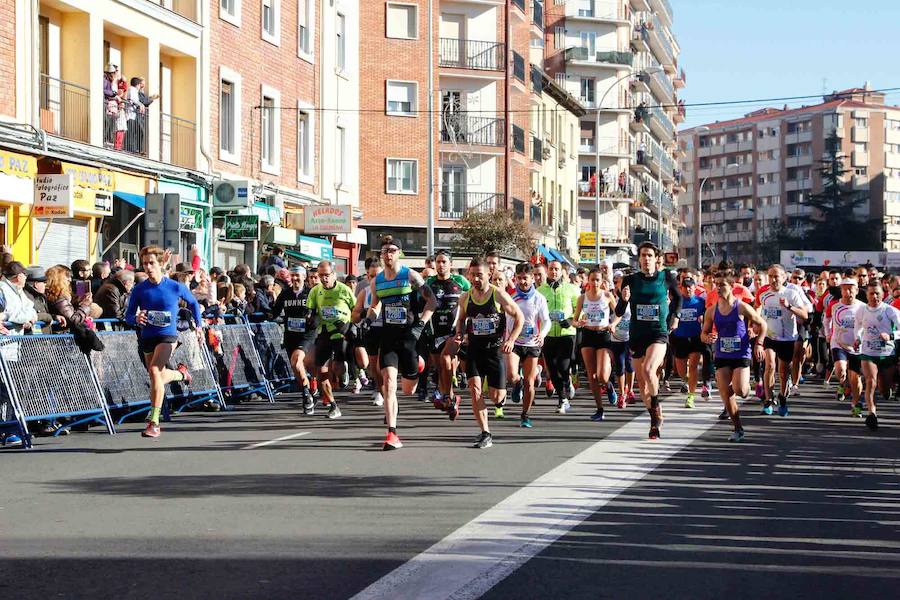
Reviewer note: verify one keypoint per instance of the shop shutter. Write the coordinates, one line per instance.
(67, 241)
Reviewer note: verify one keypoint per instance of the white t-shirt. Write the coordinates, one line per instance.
(844, 325)
(874, 322)
(781, 321)
(622, 331)
(537, 318)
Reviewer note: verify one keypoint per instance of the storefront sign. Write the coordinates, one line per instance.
(315, 248)
(283, 236)
(17, 165)
(825, 258)
(191, 219)
(328, 219)
(242, 228)
(589, 255)
(587, 238)
(53, 196)
(87, 184)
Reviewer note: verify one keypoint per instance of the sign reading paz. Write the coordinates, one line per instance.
(242, 228)
(53, 196)
(327, 219)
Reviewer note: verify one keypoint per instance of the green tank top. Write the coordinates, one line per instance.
(649, 304)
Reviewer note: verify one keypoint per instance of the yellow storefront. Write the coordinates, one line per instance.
(17, 173)
(61, 241)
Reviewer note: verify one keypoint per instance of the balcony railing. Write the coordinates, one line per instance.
(456, 202)
(663, 119)
(460, 128)
(662, 80)
(65, 109)
(537, 80)
(518, 66)
(471, 54)
(583, 54)
(177, 141)
(126, 129)
(537, 150)
(655, 29)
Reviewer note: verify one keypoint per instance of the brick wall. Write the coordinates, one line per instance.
(8, 59)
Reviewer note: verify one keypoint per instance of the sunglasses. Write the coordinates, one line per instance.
(389, 250)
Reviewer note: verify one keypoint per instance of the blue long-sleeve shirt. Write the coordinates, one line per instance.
(160, 300)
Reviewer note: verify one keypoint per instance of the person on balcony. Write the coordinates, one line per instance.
(136, 112)
(111, 101)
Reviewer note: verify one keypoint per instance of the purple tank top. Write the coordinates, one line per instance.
(733, 342)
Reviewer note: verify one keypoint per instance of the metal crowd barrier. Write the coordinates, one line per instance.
(269, 340)
(238, 363)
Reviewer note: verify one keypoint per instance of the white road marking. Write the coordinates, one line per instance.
(276, 440)
(480, 554)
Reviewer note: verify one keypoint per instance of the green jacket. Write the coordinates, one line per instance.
(332, 307)
(561, 302)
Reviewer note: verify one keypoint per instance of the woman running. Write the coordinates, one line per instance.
(592, 316)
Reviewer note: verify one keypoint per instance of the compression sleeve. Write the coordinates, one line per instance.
(674, 298)
(622, 305)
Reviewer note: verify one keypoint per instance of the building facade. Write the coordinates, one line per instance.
(620, 58)
(758, 171)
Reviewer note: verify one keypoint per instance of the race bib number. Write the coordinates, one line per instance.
(647, 312)
(874, 346)
(687, 314)
(595, 318)
(159, 318)
(773, 313)
(527, 331)
(329, 312)
(557, 315)
(484, 326)
(296, 325)
(395, 315)
(729, 345)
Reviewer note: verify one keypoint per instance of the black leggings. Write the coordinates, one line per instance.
(706, 353)
(558, 356)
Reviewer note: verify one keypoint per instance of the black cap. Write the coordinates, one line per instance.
(14, 268)
(688, 281)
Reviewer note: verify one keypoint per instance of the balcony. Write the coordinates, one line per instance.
(456, 203)
(520, 4)
(460, 128)
(65, 109)
(537, 14)
(599, 11)
(662, 87)
(661, 123)
(470, 54)
(177, 141)
(537, 150)
(608, 146)
(656, 37)
(610, 59)
(664, 9)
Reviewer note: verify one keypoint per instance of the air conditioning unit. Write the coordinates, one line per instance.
(545, 153)
(231, 195)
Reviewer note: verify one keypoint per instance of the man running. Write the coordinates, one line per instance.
(842, 331)
(686, 343)
(153, 307)
(332, 302)
(299, 331)
(483, 308)
(392, 292)
(447, 288)
(562, 299)
(369, 331)
(527, 349)
(655, 301)
(781, 307)
(880, 324)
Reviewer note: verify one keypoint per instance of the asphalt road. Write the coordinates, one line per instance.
(807, 506)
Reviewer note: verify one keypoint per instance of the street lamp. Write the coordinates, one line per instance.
(651, 70)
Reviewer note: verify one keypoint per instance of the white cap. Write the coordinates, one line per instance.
(849, 281)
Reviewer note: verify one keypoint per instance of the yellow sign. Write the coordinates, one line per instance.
(92, 189)
(589, 255)
(18, 165)
(587, 238)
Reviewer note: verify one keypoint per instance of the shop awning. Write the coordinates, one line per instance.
(136, 200)
(543, 251)
(558, 256)
(311, 249)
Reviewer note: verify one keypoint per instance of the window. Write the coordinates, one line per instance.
(305, 143)
(587, 90)
(860, 121)
(230, 11)
(271, 21)
(229, 116)
(861, 147)
(340, 158)
(559, 37)
(402, 176)
(340, 60)
(306, 20)
(402, 21)
(270, 131)
(401, 98)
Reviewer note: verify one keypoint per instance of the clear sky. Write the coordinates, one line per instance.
(748, 49)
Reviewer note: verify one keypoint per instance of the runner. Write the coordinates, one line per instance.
(842, 330)
(592, 316)
(621, 355)
(370, 334)
(781, 306)
(299, 332)
(562, 299)
(880, 324)
(655, 301)
(393, 291)
(483, 307)
(686, 343)
(527, 348)
(332, 302)
(153, 307)
(733, 348)
(447, 287)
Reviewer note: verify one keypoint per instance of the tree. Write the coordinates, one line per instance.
(479, 232)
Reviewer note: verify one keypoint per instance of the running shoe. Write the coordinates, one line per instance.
(723, 416)
(498, 412)
(782, 406)
(840, 397)
(630, 398)
(571, 390)
(540, 376)
(182, 368)
(525, 422)
(794, 390)
(453, 408)
(683, 388)
(654, 432)
(12, 441)
(689, 401)
(563, 407)
(364, 379)
(517, 391)
(760, 391)
(550, 389)
(377, 399)
(872, 422)
(736, 436)
(152, 430)
(423, 393)
(612, 395)
(357, 386)
(345, 377)
(437, 399)
(597, 416)
(309, 404)
(334, 412)
(704, 391)
(856, 410)
(392, 442)
(620, 403)
(890, 395)
(665, 383)
(767, 408)
(485, 440)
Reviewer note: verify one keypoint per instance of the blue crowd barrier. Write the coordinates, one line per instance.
(237, 361)
(269, 339)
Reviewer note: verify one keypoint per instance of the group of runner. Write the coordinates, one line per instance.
(488, 332)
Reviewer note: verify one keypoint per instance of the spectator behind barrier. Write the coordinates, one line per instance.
(59, 294)
(265, 295)
(204, 290)
(276, 259)
(19, 310)
(35, 288)
(99, 275)
(112, 297)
